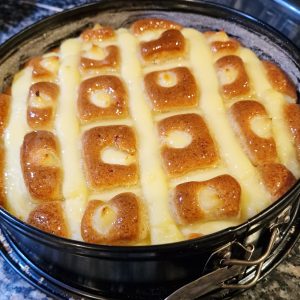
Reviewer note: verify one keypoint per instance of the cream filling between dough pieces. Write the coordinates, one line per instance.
(239, 166)
(153, 181)
(74, 185)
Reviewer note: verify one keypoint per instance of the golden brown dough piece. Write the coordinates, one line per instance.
(41, 166)
(239, 86)
(4, 109)
(223, 203)
(39, 72)
(49, 217)
(110, 87)
(260, 150)
(280, 80)
(41, 104)
(276, 178)
(200, 153)
(170, 44)
(98, 34)
(2, 184)
(111, 60)
(150, 24)
(121, 220)
(184, 93)
(101, 175)
(224, 44)
(292, 115)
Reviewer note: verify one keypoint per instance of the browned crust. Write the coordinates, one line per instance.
(49, 217)
(227, 47)
(240, 86)
(292, 115)
(43, 180)
(38, 118)
(184, 94)
(99, 174)
(2, 182)
(259, 150)
(114, 87)
(150, 24)
(98, 34)
(4, 110)
(200, 153)
(279, 80)
(187, 206)
(169, 45)
(277, 179)
(111, 60)
(38, 71)
(125, 228)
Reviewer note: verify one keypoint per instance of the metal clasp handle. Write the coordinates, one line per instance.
(260, 261)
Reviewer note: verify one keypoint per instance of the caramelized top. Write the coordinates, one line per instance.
(49, 217)
(40, 164)
(259, 149)
(280, 80)
(97, 34)
(169, 45)
(144, 25)
(198, 154)
(171, 89)
(231, 68)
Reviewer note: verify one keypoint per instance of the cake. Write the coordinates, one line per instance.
(147, 135)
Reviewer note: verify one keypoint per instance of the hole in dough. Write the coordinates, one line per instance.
(94, 52)
(167, 79)
(40, 100)
(114, 156)
(101, 98)
(227, 75)
(261, 126)
(178, 139)
(104, 218)
(209, 200)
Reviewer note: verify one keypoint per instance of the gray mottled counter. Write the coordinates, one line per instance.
(282, 283)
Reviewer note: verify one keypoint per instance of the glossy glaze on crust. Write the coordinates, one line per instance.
(110, 61)
(121, 221)
(41, 104)
(220, 42)
(97, 34)
(277, 178)
(240, 85)
(280, 80)
(183, 94)
(4, 111)
(260, 150)
(39, 72)
(292, 115)
(40, 164)
(188, 209)
(199, 154)
(49, 217)
(113, 88)
(151, 24)
(101, 175)
(169, 45)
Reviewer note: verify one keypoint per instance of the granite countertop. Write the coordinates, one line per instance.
(282, 283)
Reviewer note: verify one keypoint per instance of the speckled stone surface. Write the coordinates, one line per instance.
(282, 283)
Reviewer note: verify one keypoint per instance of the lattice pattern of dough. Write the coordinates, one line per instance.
(147, 135)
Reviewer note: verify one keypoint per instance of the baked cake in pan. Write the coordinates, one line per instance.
(147, 135)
